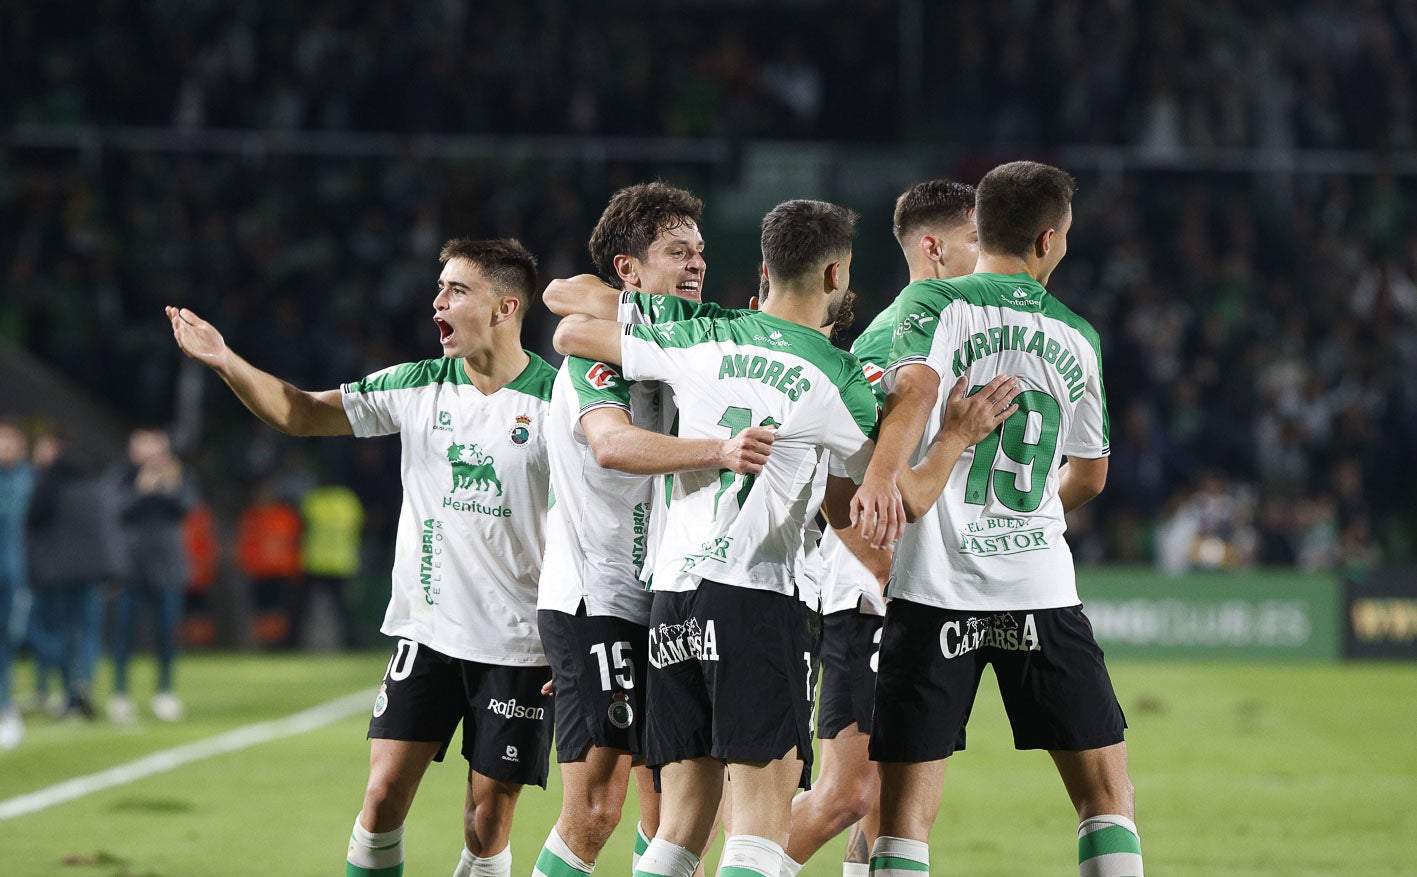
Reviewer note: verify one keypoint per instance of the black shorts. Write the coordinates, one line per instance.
(850, 641)
(730, 675)
(1053, 682)
(598, 664)
(506, 719)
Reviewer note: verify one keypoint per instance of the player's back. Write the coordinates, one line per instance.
(728, 375)
(994, 539)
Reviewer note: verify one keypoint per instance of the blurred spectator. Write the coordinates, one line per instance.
(1212, 529)
(16, 487)
(73, 551)
(156, 495)
(268, 555)
(203, 545)
(334, 525)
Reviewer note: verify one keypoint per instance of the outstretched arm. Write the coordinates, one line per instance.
(619, 444)
(968, 420)
(583, 294)
(284, 406)
(589, 338)
(876, 509)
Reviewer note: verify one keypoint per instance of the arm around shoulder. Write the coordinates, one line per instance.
(583, 294)
(589, 338)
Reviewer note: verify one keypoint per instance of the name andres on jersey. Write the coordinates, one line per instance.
(771, 372)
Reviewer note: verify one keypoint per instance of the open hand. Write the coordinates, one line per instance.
(198, 339)
(972, 418)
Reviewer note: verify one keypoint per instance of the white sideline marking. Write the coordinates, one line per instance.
(168, 759)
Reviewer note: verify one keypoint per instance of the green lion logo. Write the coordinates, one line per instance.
(472, 469)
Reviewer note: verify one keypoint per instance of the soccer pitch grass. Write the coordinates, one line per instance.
(1243, 770)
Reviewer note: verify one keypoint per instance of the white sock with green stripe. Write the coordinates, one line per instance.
(899, 857)
(1108, 846)
(557, 860)
(374, 853)
(641, 844)
(747, 855)
(499, 865)
(664, 859)
(855, 869)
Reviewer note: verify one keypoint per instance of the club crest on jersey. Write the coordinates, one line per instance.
(601, 376)
(620, 713)
(520, 433)
(381, 701)
(472, 469)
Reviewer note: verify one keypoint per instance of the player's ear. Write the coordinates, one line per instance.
(628, 270)
(1044, 242)
(831, 279)
(930, 246)
(508, 307)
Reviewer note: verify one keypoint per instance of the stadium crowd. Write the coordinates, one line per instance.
(1174, 74)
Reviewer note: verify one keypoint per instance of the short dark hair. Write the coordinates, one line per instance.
(1017, 202)
(800, 236)
(635, 216)
(508, 264)
(939, 203)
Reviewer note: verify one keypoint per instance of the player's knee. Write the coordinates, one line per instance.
(1111, 795)
(386, 801)
(594, 821)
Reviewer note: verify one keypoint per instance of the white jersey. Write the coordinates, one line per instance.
(727, 375)
(597, 531)
(846, 582)
(600, 527)
(640, 309)
(994, 538)
(471, 529)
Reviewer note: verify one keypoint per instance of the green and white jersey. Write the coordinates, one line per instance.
(599, 529)
(994, 539)
(846, 582)
(727, 375)
(638, 309)
(471, 529)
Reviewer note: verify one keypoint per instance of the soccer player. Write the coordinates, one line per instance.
(986, 576)
(934, 225)
(730, 638)
(605, 441)
(468, 552)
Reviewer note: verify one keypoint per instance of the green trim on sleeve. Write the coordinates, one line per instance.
(598, 383)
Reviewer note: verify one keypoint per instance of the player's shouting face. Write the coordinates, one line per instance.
(467, 306)
(674, 264)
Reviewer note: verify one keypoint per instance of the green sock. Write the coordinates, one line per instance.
(374, 854)
(1108, 846)
(557, 860)
(900, 857)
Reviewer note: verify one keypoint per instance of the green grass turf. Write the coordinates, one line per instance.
(1243, 770)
